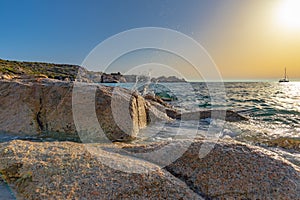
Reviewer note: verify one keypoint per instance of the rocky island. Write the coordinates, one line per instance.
(48, 158)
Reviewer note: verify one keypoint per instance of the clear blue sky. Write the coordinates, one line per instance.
(246, 38)
(64, 31)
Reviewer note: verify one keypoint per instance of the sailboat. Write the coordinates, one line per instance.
(285, 79)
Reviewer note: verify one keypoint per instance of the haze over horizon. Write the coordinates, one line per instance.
(248, 40)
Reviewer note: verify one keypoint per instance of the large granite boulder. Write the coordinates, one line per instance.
(227, 169)
(120, 113)
(45, 108)
(66, 170)
(238, 171)
(230, 170)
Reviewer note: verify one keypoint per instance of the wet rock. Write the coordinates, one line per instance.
(156, 109)
(5, 192)
(226, 115)
(154, 98)
(285, 142)
(173, 113)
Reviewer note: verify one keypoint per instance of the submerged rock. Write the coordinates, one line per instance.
(173, 113)
(226, 115)
(285, 142)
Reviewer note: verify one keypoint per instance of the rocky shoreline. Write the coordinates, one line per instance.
(65, 169)
(45, 108)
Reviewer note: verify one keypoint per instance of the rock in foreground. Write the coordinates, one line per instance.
(232, 170)
(66, 170)
(238, 171)
(45, 108)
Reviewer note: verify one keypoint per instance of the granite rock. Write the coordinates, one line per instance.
(234, 170)
(44, 107)
(66, 170)
(227, 169)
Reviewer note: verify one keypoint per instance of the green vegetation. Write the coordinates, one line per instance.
(55, 71)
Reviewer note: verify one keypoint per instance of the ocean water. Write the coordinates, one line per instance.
(273, 110)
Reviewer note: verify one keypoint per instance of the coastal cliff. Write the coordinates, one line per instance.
(65, 72)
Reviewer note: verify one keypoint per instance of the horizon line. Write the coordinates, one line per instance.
(188, 80)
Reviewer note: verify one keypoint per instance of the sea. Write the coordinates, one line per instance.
(272, 109)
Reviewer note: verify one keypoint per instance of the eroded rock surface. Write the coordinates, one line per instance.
(36, 108)
(229, 170)
(234, 170)
(66, 170)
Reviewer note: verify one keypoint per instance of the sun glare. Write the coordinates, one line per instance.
(289, 13)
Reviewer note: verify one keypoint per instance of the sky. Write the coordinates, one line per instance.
(247, 40)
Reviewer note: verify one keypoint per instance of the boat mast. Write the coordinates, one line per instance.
(285, 73)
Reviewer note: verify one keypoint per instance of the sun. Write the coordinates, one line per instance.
(289, 13)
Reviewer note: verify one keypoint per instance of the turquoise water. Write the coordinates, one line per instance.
(273, 108)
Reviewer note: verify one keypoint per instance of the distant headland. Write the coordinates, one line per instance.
(66, 72)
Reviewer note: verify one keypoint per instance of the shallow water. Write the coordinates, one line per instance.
(273, 110)
(5, 191)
